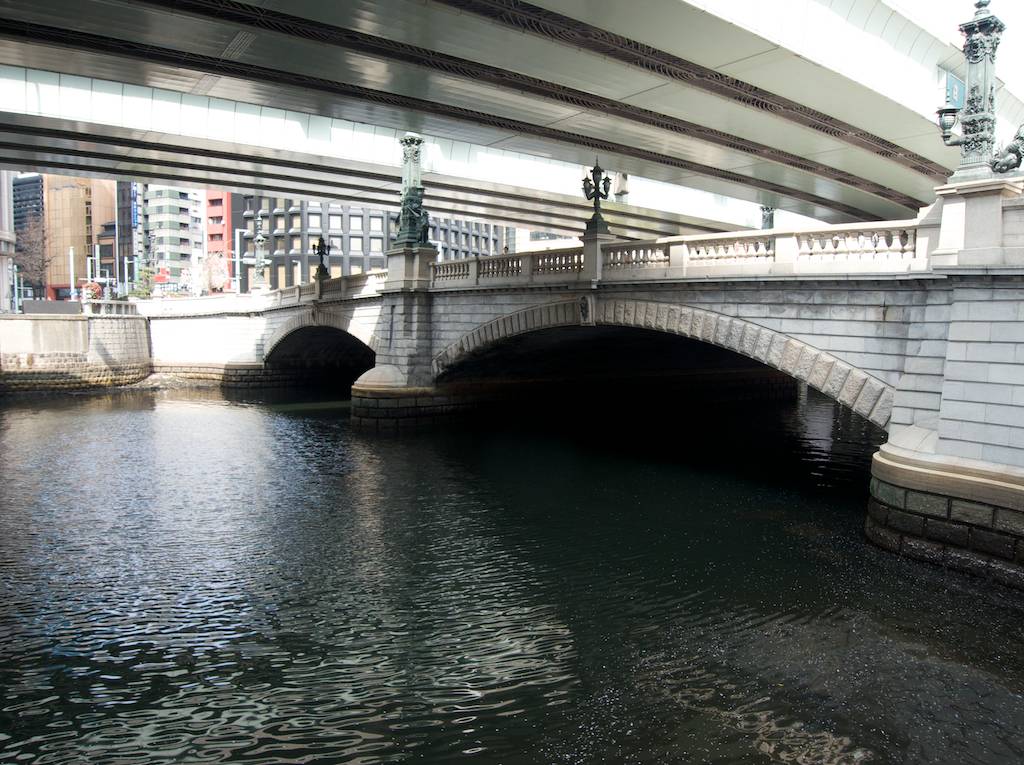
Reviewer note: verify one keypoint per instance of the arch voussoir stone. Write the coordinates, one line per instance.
(867, 395)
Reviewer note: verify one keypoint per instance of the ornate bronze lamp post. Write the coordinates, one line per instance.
(596, 187)
(413, 220)
(322, 249)
(259, 263)
(978, 115)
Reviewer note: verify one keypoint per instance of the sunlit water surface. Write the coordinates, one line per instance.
(185, 579)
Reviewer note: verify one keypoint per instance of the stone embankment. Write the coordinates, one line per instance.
(55, 353)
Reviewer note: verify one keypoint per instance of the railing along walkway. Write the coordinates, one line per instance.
(889, 247)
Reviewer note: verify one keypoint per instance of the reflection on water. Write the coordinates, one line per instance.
(193, 579)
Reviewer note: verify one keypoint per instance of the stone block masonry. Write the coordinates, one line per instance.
(972, 522)
(54, 353)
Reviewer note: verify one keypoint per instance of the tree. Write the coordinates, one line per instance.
(30, 253)
(143, 283)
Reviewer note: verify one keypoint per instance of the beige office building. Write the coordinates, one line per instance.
(75, 210)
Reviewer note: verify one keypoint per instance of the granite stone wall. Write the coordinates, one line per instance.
(55, 353)
(979, 538)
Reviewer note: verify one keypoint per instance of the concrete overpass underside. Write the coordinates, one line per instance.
(53, 145)
(736, 117)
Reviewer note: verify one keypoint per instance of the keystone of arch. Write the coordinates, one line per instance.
(863, 393)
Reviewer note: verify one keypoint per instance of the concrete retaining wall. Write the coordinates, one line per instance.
(52, 352)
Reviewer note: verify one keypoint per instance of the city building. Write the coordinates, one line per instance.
(28, 200)
(173, 226)
(358, 237)
(131, 236)
(74, 211)
(29, 233)
(219, 266)
(8, 274)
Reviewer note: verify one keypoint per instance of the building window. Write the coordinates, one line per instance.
(355, 244)
(279, 223)
(216, 237)
(335, 243)
(355, 223)
(314, 220)
(465, 240)
(297, 243)
(376, 244)
(335, 222)
(217, 220)
(297, 220)
(355, 268)
(476, 242)
(376, 223)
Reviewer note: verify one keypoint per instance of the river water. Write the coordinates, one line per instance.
(189, 579)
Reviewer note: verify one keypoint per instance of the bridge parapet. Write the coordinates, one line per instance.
(562, 266)
(884, 248)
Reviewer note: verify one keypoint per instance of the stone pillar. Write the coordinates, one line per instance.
(593, 260)
(971, 228)
(399, 390)
(948, 486)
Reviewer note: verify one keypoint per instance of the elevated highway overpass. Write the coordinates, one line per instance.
(692, 94)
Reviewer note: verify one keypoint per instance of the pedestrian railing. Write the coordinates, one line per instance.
(889, 247)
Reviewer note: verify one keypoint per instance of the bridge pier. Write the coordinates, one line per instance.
(948, 486)
(398, 392)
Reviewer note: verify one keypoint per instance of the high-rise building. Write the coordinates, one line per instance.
(358, 237)
(218, 268)
(7, 270)
(29, 229)
(173, 225)
(28, 200)
(74, 211)
(131, 236)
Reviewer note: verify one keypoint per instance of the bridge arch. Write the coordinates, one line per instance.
(310, 318)
(863, 393)
(317, 340)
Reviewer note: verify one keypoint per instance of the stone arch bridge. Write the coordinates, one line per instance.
(918, 325)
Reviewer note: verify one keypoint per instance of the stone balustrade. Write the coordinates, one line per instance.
(635, 255)
(729, 249)
(110, 308)
(882, 243)
(564, 265)
(890, 247)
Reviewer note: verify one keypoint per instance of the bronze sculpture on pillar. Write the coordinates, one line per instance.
(413, 220)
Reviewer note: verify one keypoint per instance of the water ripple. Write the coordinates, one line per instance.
(192, 580)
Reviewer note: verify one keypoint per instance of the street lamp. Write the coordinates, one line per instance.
(322, 249)
(259, 264)
(948, 117)
(595, 188)
(977, 117)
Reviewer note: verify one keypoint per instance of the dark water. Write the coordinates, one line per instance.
(192, 580)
